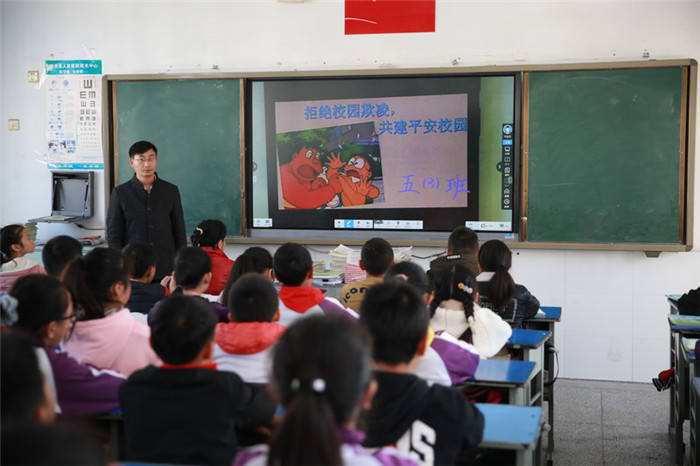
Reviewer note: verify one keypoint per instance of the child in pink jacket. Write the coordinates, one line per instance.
(106, 335)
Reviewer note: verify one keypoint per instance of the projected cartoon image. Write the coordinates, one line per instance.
(330, 168)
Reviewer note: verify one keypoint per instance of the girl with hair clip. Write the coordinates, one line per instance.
(447, 360)
(322, 376)
(15, 242)
(106, 334)
(453, 309)
(498, 291)
(192, 277)
(41, 306)
(209, 235)
(253, 260)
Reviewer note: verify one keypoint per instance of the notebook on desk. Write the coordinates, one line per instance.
(71, 197)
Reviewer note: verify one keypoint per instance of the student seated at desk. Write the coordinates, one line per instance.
(144, 293)
(244, 345)
(106, 335)
(446, 360)
(462, 249)
(376, 258)
(58, 253)
(432, 423)
(191, 277)
(453, 310)
(294, 269)
(42, 306)
(14, 244)
(210, 235)
(187, 412)
(253, 260)
(498, 291)
(322, 374)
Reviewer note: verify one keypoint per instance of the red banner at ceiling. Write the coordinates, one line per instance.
(389, 16)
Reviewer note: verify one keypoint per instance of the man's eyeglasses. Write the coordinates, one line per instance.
(145, 159)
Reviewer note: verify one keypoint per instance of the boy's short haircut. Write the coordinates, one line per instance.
(292, 263)
(377, 256)
(22, 384)
(253, 299)
(139, 147)
(59, 252)
(396, 317)
(181, 327)
(142, 256)
(463, 240)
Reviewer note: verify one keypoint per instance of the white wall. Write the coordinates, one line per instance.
(614, 311)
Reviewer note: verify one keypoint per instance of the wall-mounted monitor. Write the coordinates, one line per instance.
(396, 156)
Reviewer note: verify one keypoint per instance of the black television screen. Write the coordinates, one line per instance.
(407, 154)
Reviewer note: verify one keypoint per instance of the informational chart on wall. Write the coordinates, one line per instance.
(74, 114)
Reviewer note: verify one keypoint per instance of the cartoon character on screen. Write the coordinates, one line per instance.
(356, 187)
(304, 183)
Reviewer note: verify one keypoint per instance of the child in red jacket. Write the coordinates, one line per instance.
(209, 236)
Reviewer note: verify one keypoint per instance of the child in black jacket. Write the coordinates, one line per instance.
(187, 412)
(433, 423)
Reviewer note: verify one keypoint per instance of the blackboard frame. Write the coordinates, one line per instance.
(686, 172)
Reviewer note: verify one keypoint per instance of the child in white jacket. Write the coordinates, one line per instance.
(454, 310)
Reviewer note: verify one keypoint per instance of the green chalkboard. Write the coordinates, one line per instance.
(604, 156)
(195, 124)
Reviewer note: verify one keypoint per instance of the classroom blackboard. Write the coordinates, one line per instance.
(605, 155)
(195, 124)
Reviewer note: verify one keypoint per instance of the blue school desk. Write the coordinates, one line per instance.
(505, 373)
(552, 315)
(511, 427)
(530, 345)
(695, 421)
(681, 327)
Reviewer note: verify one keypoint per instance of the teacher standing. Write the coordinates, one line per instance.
(147, 208)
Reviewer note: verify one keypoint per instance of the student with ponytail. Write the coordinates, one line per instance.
(497, 289)
(106, 334)
(41, 306)
(453, 310)
(14, 244)
(209, 235)
(322, 375)
(192, 277)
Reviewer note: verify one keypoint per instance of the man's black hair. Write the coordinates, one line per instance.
(59, 252)
(292, 263)
(396, 317)
(21, 382)
(377, 256)
(253, 299)
(463, 240)
(181, 327)
(140, 147)
(142, 256)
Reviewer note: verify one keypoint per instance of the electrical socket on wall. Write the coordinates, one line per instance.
(33, 76)
(13, 124)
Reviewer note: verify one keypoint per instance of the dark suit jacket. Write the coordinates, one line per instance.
(155, 217)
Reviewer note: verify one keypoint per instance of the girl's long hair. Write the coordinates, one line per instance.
(321, 369)
(494, 256)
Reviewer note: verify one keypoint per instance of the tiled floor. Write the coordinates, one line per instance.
(612, 423)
